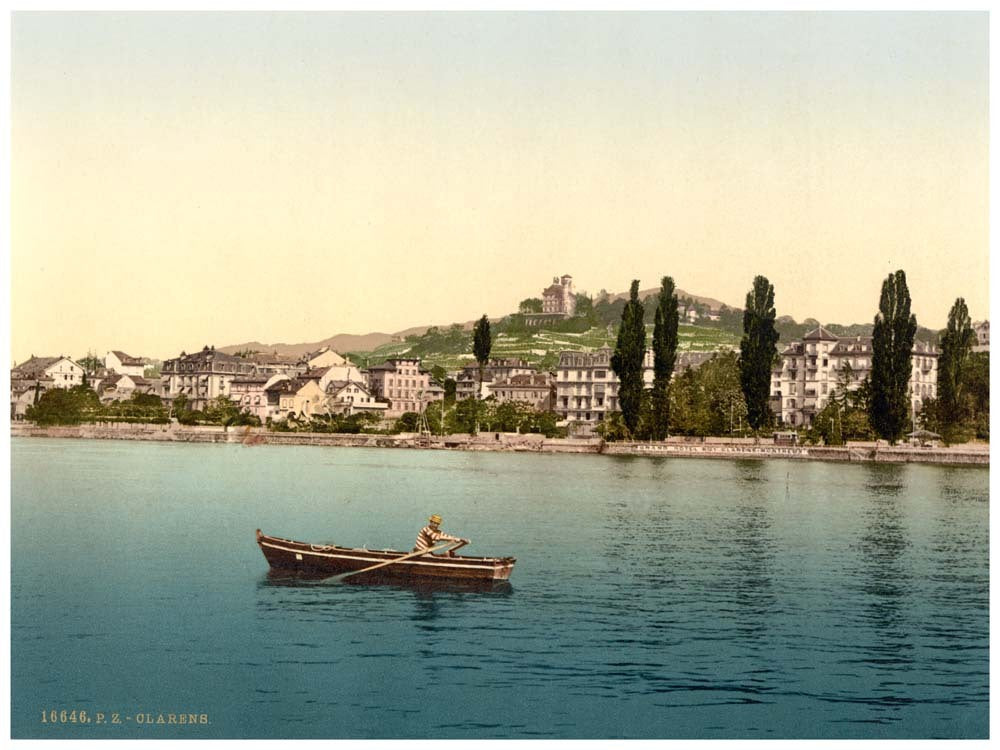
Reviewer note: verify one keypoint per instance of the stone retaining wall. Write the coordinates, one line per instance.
(511, 442)
(870, 453)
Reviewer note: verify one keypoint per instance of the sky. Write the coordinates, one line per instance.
(187, 179)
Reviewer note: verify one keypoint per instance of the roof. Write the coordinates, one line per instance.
(283, 386)
(324, 350)
(249, 379)
(34, 367)
(853, 344)
(391, 364)
(335, 386)
(314, 373)
(126, 359)
(820, 334)
(204, 354)
(525, 381)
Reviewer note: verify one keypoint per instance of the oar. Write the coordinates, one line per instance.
(342, 576)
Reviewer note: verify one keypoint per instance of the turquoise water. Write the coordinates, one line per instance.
(656, 598)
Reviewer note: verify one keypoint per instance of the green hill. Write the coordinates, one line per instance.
(451, 348)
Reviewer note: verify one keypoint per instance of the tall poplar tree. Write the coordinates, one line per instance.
(627, 359)
(482, 343)
(664, 356)
(957, 341)
(758, 348)
(892, 344)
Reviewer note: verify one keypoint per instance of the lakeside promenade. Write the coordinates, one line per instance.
(676, 447)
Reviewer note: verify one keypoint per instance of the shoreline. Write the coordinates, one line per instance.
(678, 447)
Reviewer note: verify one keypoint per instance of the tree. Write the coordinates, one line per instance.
(708, 400)
(957, 341)
(530, 305)
(758, 348)
(828, 425)
(482, 342)
(892, 344)
(408, 422)
(91, 363)
(465, 417)
(481, 345)
(65, 406)
(977, 390)
(438, 374)
(627, 359)
(664, 357)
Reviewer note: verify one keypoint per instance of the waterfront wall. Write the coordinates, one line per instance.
(861, 452)
(677, 447)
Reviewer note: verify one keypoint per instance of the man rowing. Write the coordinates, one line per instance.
(431, 534)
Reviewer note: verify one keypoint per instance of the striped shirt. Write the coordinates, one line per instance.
(428, 537)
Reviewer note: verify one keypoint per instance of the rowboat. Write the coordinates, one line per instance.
(327, 560)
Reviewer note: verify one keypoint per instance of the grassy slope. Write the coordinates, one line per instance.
(540, 347)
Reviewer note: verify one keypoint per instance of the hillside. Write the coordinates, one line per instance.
(710, 302)
(452, 348)
(376, 343)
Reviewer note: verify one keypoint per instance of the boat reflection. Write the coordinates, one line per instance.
(305, 579)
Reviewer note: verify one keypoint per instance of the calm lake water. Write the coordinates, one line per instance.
(652, 598)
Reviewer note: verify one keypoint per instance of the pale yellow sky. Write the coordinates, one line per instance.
(180, 180)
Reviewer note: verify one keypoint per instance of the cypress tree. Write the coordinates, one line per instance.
(758, 348)
(481, 345)
(957, 341)
(482, 342)
(627, 358)
(664, 356)
(892, 344)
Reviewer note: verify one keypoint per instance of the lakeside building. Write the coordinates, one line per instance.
(203, 376)
(122, 387)
(404, 385)
(99, 377)
(982, 330)
(495, 370)
(297, 398)
(814, 368)
(21, 397)
(124, 364)
(537, 390)
(30, 379)
(350, 397)
(331, 373)
(587, 387)
(56, 372)
(277, 364)
(558, 302)
(250, 394)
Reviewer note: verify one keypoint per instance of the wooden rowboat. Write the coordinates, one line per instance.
(327, 560)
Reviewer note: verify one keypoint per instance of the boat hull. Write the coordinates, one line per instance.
(319, 560)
